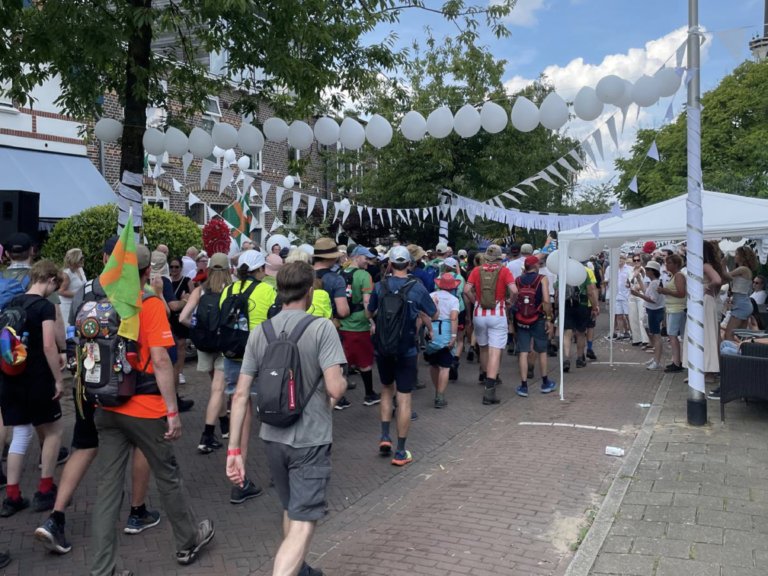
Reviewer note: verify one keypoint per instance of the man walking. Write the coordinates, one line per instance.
(299, 455)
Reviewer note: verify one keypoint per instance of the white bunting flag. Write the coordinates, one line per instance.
(546, 177)
(265, 186)
(564, 163)
(211, 212)
(176, 185)
(186, 162)
(611, 123)
(576, 156)
(295, 203)
(401, 216)
(311, 201)
(633, 184)
(425, 213)
(279, 190)
(454, 211)
(227, 173)
(653, 151)
(624, 110)
(670, 115)
(391, 220)
(370, 215)
(158, 170)
(193, 199)
(510, 196)
(275, 225)
(597, 136)
(336, 210)
(345, 213)
(530, 182)
(616, 210)
(360, 214)
(265, 208)
(247, 180)
(555, 172)
(324, 202)
(205, 172)
(519, 192)
(680, 54)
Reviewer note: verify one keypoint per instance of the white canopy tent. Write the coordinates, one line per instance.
(724, 215)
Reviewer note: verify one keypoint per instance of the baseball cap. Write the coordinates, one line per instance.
(514, 247)
(159, 260)
(274, 263)
(447, 281)
(526, 249)
(18, 242)
(201, 255)
(493, 253)
(531, 261)
(399, 254)
(462, 253)
(218, 261)
(254, 260)
(342, 248)
(109, 245)
(416, 252)
(451, 262)
(143, 257)
(441, 248)
(363, 251)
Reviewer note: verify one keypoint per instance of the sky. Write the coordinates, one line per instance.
(577, 42)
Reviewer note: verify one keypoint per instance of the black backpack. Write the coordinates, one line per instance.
(348, 276)
(391, 318)
(204, 331)
(234, 326)
(13, 323)
(280, 386)
(276, 308)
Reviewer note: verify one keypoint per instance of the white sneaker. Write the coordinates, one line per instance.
(648, 362)
(653, 365)
(182, 380)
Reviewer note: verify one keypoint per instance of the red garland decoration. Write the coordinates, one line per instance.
(216, 237)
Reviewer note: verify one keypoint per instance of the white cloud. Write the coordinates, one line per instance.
(524, 13)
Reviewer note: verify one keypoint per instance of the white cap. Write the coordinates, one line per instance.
(450, 262)
(441, 248)
(399, 254)
(254, 260)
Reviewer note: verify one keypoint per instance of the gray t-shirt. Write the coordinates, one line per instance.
(320, 348)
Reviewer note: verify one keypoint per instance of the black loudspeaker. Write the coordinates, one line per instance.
(19, 212)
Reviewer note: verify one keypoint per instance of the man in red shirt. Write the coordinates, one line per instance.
(151, 414)
(491, 287)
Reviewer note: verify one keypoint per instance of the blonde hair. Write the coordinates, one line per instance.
(297, 255)
(72, 258)
(217, 280)
(44, 270)
(749, 258)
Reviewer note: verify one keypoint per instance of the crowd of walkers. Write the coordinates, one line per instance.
(280, 332)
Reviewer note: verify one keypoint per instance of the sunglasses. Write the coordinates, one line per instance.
(635, 260)
(174, 266)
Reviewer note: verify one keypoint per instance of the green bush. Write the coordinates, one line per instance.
(89, 229)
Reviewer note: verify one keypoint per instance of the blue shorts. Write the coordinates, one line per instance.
(536, 332)
(675, 323)
(655, 318)
(741, 306)
(231, 374)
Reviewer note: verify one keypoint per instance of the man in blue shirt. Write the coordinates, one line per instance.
(419, 269)
(400, 370)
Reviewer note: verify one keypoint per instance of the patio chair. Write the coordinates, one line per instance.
(744, 375)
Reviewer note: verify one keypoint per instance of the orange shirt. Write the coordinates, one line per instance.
(154, 331)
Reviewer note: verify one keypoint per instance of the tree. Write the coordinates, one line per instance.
(734, 159)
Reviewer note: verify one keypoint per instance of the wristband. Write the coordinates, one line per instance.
(234, 452)
(172, 414)
(454, 335)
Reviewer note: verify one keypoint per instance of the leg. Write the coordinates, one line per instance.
(493, 356)
(522, 361)
(581, 342)
(181, 356)
(139, 478)
(51, 435)
(294, 547)
(403, 414)
(674, 342)
(442, 380)
(567, 339)
(216, 399)
(484, 359)
(434, 373)
(543, 364)
(72, 475)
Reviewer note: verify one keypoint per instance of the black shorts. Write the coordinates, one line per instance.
(27, 399)
(400, 370)
(442, 358)
(301, 478)
(577, 318)
(84, 434)
(536, 332)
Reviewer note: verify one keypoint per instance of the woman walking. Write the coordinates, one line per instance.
(74, 278)
(654, 308)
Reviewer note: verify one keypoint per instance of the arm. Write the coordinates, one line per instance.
(593, 299)
(157, 286)
(64, 288)
(512, 292)
(342, 307)
(335, 383)
(185, 317)
(161, 363)
(715, 281)
(454, 327)
(51, 351)
(237, 426)
(60, 332)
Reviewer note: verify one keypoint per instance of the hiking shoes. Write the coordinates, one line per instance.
(208, 443)
(441, 402)
(401, 458)
(522, 391)
(43, 501)
(343, 404)
(591, 355)
(470, 355)
(653, 366)
(248, 490)
(137, 524)
(674, 368)
(385, 446)
(581, 362)
(566, 365)
(205, 534)
(184, 404)
(548, 387)
(51, 534)
(371, 399)
(10, 507)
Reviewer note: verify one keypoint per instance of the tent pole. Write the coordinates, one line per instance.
(613, 260)
(697, 403)
(561, 278)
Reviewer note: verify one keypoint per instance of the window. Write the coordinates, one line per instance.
(157, 112)
(256, 163)
(213, 107)
(211, 117)
(157, 200)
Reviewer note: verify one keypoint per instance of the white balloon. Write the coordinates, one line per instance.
(525, 115)
(586, 104)
(200, 143)
(352, 134)
(275, 129)
(413, 126)
(230, 157)
(218, 152)
(610, 89)
(154, 142)
(288, 182)
(553, 262)
(244, 162)
(577, 273)
(378, 131)
(467, 121)
(440, 122)
(224, 135)
(646, 91)
(553, 112)
(250, 139)
(176, 142)
(300, 135)
(667, 81)
(493, 118)
(108, 130)
(308, 248)
(625, 101)
(326, 131)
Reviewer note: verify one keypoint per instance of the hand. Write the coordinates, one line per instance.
(550, 328)
(595, 311)
(62, 361)
(236, 469)
(157, 284)
(373, 329)
(59, 390)
(174, 428)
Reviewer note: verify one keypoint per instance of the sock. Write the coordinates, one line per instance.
(45, 486)
(58, 517)
(400, 444)
(224, 424)
(13, 492)
(367, 381)
(589, 344)
(209, 429)
(139, 510)
(385, 429)
(510, 338)
(439, 396)
(524, 383)
(544, 380)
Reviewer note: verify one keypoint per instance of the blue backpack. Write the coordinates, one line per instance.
(441, 336)
(10, 287)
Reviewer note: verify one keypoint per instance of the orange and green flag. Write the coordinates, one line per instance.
(120, 280)
(238, 216)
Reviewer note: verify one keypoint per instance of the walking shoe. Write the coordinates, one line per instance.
(385, 446)
(453, 372)
(548, 387)
(402, 458)
(481, 379)
(205, 534)
(419, 385)
(137, 524)
(5, 559)
(653, 366)
(674, 368)
(581, 362)
(3, 480)
(343, 404)
(44, 501)
(248, 490)
(489, 393)
(591, 355)
(183, 404)
(182, 380)
(552, 350)
(307, 570)
(522, 391)
(51, 534)
(566, 365)
(60, 459)
(714, 394)
(636, 343)
(470, 355)
(208, 443)
(351, 384)
(224, 429)
(648, 362)
(372, 399)
(10, 507)
(530, 372)
(441, 402)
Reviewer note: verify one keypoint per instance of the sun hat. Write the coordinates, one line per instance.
(447, 281)
(218, 261)
(493, 253)
(399, 254)
(326, 249)
(254, 260)
(654, 265)
(274, 263)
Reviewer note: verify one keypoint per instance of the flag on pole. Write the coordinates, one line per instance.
(238, 215)
(120, 280)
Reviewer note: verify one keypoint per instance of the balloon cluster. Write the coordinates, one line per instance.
(576, 272)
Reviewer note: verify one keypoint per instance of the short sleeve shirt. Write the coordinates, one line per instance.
(334, 285)
(38, 310)
(319, 349)
(362, 284)
(446, 303)
(259, 302)
(504, 279)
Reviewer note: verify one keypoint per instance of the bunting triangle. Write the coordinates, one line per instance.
(633, 184)
(360, 214)
(546, 177)
(555, 172)
(205, 172)
(227, 173)
(295, 203)
(680, 54)
(324, 202)
(576, 156)
(653, 151)
(265, 186)
(564, 163)
(611, 123)
(588, 149)
(193, 199)
(391, 220)
(176, 185)
(186, 162)
(670, 115)
(597, 136)
(616, 210)
(279, 190)
(311, 201)
(370, 215)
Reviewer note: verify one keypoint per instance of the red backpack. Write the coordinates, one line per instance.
(528, 312)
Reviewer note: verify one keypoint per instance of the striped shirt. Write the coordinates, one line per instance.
(504, 279)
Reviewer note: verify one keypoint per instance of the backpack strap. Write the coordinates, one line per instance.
(298, 330)
(269, 331)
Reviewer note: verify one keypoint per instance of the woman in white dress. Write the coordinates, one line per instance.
(74, 278)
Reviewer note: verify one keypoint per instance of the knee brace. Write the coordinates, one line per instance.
(22, 435)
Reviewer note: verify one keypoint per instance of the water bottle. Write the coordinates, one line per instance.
(70, 332)
(193, 322)
(25, 338)
(242, 322)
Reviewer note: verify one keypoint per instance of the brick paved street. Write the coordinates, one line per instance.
(489, 492)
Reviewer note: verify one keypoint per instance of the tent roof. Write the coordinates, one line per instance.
(724, 215)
